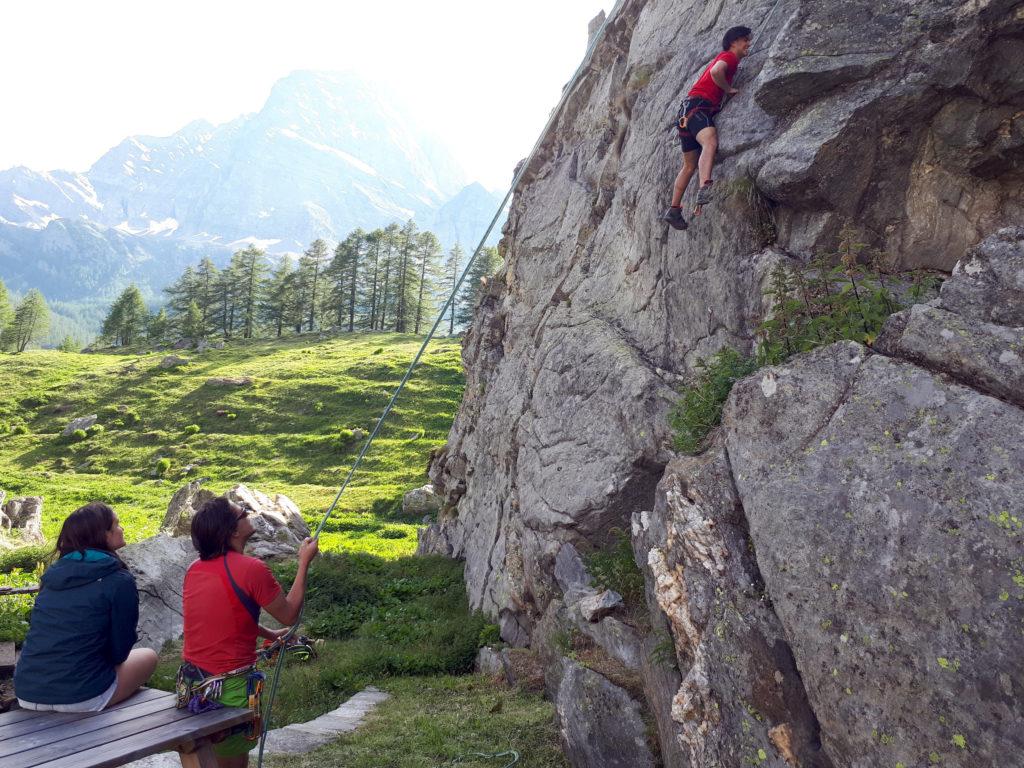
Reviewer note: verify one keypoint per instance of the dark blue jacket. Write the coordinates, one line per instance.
(82, 626)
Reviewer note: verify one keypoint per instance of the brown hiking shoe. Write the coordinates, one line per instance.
(674, 218)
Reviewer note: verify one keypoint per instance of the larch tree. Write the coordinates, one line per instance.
(249, 269)
(6, 311)
(127, 318)
(487, 263)
(428, 249)
(452, 270)
(277, 297)
(31, 321)
(311, 267)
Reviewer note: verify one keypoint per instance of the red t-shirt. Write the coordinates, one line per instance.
(220, 634)
(706, 88)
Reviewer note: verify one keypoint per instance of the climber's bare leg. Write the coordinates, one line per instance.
(708, 140)
(685, 174)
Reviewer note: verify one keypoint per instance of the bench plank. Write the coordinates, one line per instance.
(139, 745)
(45, 730)
(8, 720)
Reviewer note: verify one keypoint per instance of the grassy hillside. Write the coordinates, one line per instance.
(279, 435)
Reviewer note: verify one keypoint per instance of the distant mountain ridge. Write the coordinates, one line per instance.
(327, 153)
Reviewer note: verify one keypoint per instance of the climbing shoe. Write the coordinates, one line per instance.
(674, 218)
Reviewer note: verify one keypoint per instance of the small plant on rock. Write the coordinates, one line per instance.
(699, 410)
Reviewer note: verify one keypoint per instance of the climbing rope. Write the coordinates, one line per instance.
(523, 168)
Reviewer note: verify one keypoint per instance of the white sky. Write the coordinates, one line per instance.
(80, 75)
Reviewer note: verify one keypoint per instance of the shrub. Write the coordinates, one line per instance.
(392, 533)
(699, 410)
(490, 634)
(95, 430)
(345, 437)
(163, 466)
(191, 429)
(78, 436)
(25, 558)
(131, 417)
(378, 350)
(614, 567)
(19, 429)
(231, 416)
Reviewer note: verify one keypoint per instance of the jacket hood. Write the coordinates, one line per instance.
(75, 571)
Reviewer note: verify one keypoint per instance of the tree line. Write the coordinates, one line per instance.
(22, 324)
(391, 279)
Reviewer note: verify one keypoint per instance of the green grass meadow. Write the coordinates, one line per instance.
(278, 435)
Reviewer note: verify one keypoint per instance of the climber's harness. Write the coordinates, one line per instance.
(690, 107)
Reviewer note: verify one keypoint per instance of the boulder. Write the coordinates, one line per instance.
(882, 502)
(595, 607)
(159, 564)
(174, 361)
(600, 725)
(280, 528)
(420, 502)
(82, 422)
(23, 516)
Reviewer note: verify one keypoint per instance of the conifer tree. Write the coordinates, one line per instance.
(371, 272)
(311, 267)
(389, 270)
(427, 251)
(249, 270)
(405, 278)
(277, 297)
(452, 270)
(344, 272)
(158, 327)
(193, 326)
(127, 318)
(207, 295)
(487, 263)
(181, 294)
(6, 312)
(31, 321)
(69, 344)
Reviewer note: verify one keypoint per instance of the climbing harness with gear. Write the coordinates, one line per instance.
(198, 691)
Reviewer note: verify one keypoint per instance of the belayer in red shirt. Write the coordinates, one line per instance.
(223, 594)
(697, 130)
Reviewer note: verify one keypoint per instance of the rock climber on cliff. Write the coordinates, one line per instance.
(697, 122)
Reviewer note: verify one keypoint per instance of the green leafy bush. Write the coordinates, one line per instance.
(614, 567)
(490, 634)
(163, 466)
(25, 558)
(15, 609)
(95, 430)
(392, 533)
(231, 416)
(345, 437)
(191, 429)
(699, 410)
(78, 436)
(19, 429)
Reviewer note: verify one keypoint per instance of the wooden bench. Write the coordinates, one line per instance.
(143, 725)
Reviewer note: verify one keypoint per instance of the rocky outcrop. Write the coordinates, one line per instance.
(830, 573)
(903, 120)
(23, 517)
(82, 422)
(279, 525)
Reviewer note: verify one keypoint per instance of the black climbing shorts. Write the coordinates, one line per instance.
(702, 115)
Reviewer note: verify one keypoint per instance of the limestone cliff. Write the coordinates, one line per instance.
(838, 572)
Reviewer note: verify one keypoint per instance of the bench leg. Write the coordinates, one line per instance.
(201, 756)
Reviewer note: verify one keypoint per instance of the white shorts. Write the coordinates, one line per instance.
(95, 704)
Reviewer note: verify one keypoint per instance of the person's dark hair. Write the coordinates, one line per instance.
(734, 34)
(86, 528)
(212, 528)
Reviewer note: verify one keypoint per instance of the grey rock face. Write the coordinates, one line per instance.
(600, 724)
(882, 502)
(159, 564)
(82, 422)
(853, 111)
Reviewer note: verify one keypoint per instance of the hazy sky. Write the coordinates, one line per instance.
(79, 75)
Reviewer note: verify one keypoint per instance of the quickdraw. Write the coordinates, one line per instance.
(199, 692)
(299, 647)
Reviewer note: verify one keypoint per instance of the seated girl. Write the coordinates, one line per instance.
(78, 654)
